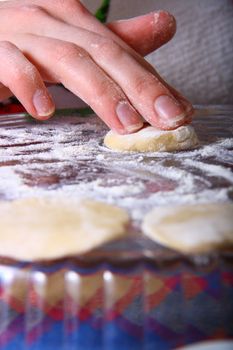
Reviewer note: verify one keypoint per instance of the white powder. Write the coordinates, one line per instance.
(211, 170)
(66, 157)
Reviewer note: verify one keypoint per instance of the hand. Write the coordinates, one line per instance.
(59, 41)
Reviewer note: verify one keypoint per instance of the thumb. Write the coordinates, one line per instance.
(146, 33)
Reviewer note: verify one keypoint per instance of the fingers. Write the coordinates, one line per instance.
(146, 33)
(22, 78)
(146, 92)
(143, 34)
(75, 69)
(149, 96)
(130, 75)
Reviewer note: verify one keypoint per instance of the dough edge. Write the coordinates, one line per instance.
(108, 221)
(154, 229)
(150, 139)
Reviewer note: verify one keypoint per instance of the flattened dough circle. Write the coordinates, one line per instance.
(42, 228)
(150, 139)
(191, 228)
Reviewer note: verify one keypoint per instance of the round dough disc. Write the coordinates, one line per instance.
(150, 139)
(191, 228)
(40, 228)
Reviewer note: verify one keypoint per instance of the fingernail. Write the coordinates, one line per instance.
(169, 109)
(128, 117)
(43, 103)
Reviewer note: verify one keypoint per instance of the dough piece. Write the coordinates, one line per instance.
(191, 228)
(150, 139)
(43, 228)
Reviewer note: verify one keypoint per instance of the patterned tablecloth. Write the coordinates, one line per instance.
(142, 306)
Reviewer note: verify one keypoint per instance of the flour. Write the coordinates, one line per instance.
(211, 169)
(66, 157)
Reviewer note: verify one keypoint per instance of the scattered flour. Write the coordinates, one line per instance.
(211, 169)
(66, 157)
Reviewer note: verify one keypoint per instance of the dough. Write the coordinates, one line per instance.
(191, 228)
(150, 139)
(40, 228)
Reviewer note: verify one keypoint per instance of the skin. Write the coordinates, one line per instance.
(102, 64)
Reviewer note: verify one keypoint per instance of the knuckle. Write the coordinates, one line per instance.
(66, 51)
(145, 83)
(19, 68)
(28, 72)
(140, 85)
(81, 52)
(106, 88)
(70, 5)
(18, 74)
(110, 49)
(62, 3)
(33, 9)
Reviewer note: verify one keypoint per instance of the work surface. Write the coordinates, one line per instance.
(65, 156)
(131, 294)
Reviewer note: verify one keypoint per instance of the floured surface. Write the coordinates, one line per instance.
(150, 139)
(193, 228)
(66, 157)
(44, 228)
